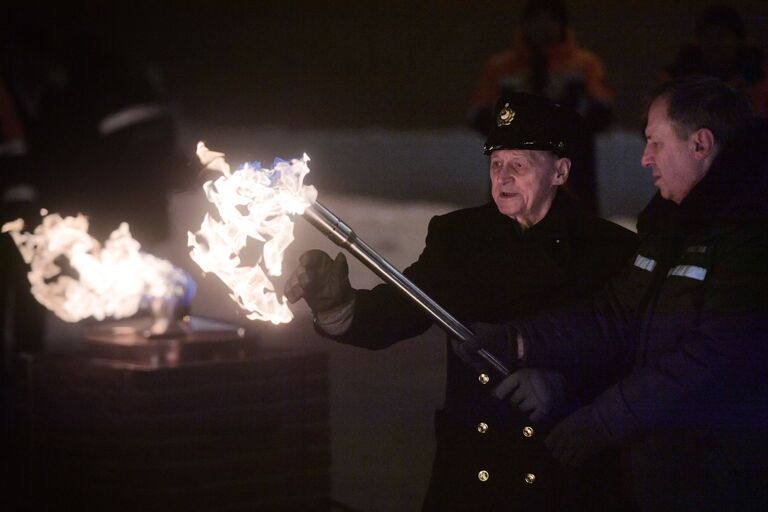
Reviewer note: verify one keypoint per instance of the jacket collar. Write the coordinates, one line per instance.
(556, 224)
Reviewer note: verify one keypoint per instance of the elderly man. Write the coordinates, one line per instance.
(528, 249)
(690, 312)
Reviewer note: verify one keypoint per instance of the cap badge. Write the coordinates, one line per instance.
(506, 116)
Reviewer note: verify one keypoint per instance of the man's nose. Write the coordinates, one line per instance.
(506, 172)
(646, 160)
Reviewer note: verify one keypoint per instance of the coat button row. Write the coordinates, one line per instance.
(483, 476)
(482, 427)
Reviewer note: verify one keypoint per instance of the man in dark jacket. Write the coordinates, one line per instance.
(528, 249)
(691, 313)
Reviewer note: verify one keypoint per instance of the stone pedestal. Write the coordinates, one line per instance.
(204, 419)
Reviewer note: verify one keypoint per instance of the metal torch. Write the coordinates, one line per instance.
(342, 235)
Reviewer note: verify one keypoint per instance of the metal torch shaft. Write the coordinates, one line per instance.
(342, 235)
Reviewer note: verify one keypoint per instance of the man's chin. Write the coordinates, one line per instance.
(665, 194)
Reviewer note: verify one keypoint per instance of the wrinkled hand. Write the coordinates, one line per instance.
(578, 437)
(535, 391)
(321, 281)
(496, 338)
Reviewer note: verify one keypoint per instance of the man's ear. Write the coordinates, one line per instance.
(562, 170)
(703, 143)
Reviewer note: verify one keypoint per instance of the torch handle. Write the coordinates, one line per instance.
(342, 235)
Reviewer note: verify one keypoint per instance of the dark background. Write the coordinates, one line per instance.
(345, 64)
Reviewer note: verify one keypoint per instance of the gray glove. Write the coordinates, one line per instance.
(534, 391)
(322, 282)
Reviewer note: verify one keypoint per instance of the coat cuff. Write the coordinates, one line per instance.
(336, 321)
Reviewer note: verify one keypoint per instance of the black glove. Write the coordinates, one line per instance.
(535, 391)
(498, 339)
(578, 437)
(322, 282)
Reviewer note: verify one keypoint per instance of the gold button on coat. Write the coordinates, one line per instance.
(530, 478)
(484, 378)
(483, 476)
(528, 431)
(482, 427)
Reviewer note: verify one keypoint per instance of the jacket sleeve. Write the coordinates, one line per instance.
(383, 315)
(715, 376)
(591, 333)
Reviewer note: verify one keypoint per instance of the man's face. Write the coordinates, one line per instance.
(671, 159)
(524, 182)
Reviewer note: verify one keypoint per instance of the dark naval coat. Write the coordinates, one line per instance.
(481, 266)
(691, 313)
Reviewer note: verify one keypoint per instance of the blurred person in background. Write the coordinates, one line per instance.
(547, 60)
(529, 248)
(720, 50)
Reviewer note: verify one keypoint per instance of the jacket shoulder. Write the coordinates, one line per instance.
(464, 214)
(598, 227)
(610, 229)
(614, 243)
(466, 221)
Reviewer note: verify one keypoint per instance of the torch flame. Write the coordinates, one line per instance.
(108, 281)
(252, 203)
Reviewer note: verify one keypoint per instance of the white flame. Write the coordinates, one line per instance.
(252, 203)
(110, 281)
